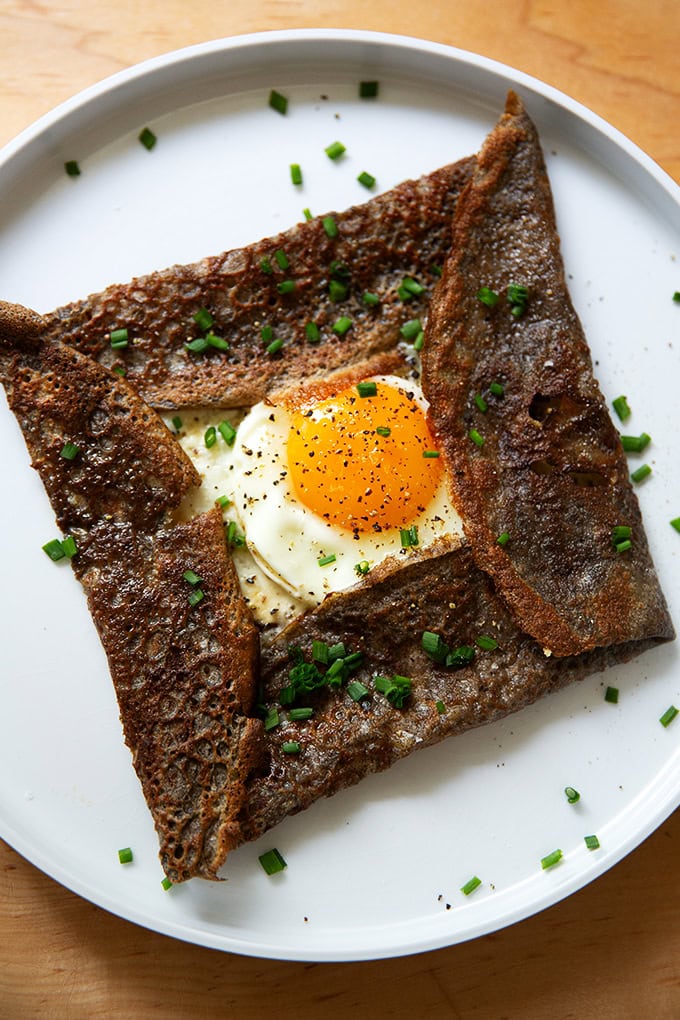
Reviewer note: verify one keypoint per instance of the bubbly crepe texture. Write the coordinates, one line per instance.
(558, 600)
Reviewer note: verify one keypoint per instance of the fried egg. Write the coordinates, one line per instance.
(324, 488)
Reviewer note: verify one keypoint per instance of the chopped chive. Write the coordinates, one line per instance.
(71, 167)
(295, 173)
(218, 342)
(342, 325)
(330, 226)
(642, 472)
(147, 138)
(227, 431)
(290, 747)
(369, 298)
(320, 651)
(286, 286)
(572, 795)
(307, 213)
(119, 370)
(271, 719)
(635, 444)
(266, 266)
(166, 883)
(267, 334)
(410, 330)
(676, 296)
(272, 861)
(300, 714)
(430, 454)
(471, 885)
(368, 180)
(409, 536)
(210, 436)
(460, 657)
(396, 689)
(69, 451)
(323, 561)
(125, 855)
(197, 346)
(362, 568)
(419, 341)
(118, 338)
(368, 89)
(357, 690)
(675, 523)
(476, 438)
(281, 259)
(551, 859)
(223, 501)
(410, 288)
(177, 423)
(275, 346)
(196, 596)
(234, 537)
(436, 270)
(481, 403)
(54, 550)
(278, 102)
(622, 547)
(203, 319)
(312, 332)
(487, 296)
(486, 643)
(69, 546)
(669, 715)
(503, 538)
(621, 531)
(611, 695)
(440, 706)
(385, 431)
(192, 577)
(336, 651)
(591, 842)
(620, 405)
(367, 389)
(496, 389)
(518, 297)
(337, 290)
(434, 646)
(335, 150)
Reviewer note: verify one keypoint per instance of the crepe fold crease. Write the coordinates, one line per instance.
(536, 458)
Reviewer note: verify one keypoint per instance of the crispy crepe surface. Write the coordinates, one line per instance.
(558, 600)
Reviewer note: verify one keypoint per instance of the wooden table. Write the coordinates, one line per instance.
(613, 949)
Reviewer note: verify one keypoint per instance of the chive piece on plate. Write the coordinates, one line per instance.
(125, 855)
(278, 102)
(72, 168)
(367, 389)
(323, 561)
(550, 860)
(572, 795)
(592, 842)
(368, 89)
(611, 695)
(471, 885)
(669, 715)
(272, 861)
(295, 173)
(335, 150)
(368, 180)
(620, 405)
(147, 138)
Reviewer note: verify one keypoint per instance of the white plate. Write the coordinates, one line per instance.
(377, 870)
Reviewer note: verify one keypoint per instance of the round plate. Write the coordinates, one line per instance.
(377, 870)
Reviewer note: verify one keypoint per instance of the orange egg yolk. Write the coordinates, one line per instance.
(358, 461)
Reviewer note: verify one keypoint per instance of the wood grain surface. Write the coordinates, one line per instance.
(610, 951)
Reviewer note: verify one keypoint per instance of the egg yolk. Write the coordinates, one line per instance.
(358, 461)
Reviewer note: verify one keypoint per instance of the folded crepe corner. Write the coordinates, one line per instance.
(559, 600)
